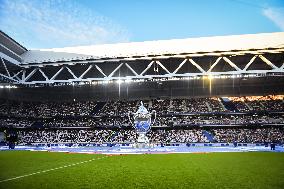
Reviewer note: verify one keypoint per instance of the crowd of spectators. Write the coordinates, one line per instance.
(177, 136)
(160, 121)
(243, 135)
(221, 120)
(108, 122)
(8, 122)
(108, 136)
(258, 135)
(46, 109)
(113, 108)
(64, 136)
(87, 122)
(259, 103)
(122, 107)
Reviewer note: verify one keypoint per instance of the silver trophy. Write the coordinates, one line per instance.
(141, 121)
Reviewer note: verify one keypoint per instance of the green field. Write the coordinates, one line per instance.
(212, 170)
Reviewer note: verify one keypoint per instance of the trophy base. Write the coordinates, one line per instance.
(142, 138)
(142, 141)
(142, 145)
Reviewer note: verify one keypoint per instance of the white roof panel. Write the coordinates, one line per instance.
(174, 46)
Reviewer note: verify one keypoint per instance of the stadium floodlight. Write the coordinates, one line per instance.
(105, 82)
(119, 81)
(209, 77)
(8, 86)
(128, 80)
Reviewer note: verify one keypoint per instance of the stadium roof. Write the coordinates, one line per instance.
(191, 46)
(11, 44)
(10, 49)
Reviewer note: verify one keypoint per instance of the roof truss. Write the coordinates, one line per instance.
(23, 76)
(135, 74)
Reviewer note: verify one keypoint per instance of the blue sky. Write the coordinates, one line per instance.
(60, 23)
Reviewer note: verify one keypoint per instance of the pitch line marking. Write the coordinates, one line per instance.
(53, 169)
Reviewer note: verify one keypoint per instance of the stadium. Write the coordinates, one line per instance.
(198, 112)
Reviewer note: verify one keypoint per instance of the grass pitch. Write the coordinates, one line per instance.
(212, 170)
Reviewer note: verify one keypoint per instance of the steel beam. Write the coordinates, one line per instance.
(8, 73)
